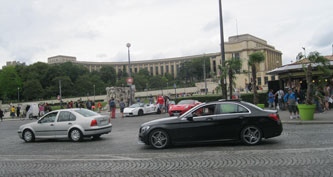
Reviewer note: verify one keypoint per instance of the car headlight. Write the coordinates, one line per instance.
(186, 107)
(170, 107)
(144, 129)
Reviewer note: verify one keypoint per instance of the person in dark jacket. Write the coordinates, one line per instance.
(1, 114)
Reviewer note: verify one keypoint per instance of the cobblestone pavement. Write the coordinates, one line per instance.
(302, 150)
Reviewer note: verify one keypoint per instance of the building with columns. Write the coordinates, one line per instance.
(240, 46)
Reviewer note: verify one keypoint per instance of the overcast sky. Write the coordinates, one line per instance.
(98, 30)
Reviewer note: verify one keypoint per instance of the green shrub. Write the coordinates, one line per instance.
(208, 98)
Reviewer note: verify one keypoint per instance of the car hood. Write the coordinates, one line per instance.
(161, 121)
(181, 106)
(28, 125)
(129, 109)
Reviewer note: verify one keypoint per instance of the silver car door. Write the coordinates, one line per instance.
(45, 126)
(65, 120)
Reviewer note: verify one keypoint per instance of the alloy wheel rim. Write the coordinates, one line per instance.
(251, 135)
(159, 139)
(27, 136)
(75, 135)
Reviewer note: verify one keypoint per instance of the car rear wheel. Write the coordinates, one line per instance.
(140, 113)
(28, 136)
(75, 135)
(159, 139)
(251, 135)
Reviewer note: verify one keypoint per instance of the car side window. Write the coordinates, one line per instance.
(63, 116)
(72, 117)
(241, 109)
(204, 111)
(227, 108)
(49, 118)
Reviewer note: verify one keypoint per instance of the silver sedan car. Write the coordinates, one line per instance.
(67, 123)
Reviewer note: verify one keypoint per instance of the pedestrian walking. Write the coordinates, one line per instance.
(112, 108)
(18, 111)
(166, 103)
(1, 114)
(88, 104)
(270, 99)
(151, 100)
(99, 107)
(12, 112)
(122, 107)
(291, 100)
(318, 97)
(280, 95)
(160, 102)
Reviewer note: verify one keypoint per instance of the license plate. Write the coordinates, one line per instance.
(176, 114)
(103, 122)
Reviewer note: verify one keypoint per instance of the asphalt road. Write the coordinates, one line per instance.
(301, 150)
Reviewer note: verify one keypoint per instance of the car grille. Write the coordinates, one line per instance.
(176, 111)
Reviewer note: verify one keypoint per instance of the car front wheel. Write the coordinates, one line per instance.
(75, 135)
(251, 135)
(28, 136)
(159, 139)
(140, 113)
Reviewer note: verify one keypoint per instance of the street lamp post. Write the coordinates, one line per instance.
(94, 92)
(18, 94)
(128, 45)
(223, 78)
(204, 72)
(60, 94)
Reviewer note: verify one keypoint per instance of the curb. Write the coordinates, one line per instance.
(307, 122)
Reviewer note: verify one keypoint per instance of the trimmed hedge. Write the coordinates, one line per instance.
(208, 98)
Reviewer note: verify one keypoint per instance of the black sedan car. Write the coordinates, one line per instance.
(213, 121)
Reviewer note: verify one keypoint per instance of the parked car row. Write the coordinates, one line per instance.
(203, 122)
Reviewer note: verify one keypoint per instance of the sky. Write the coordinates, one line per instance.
(98, 30)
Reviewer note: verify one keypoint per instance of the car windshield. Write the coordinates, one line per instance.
(171, 102)
(86, 113)
(186, 102)
(136, 105)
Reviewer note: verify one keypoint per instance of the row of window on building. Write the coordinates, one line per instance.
(158, 70)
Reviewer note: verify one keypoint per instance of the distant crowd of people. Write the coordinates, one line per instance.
(289, 99)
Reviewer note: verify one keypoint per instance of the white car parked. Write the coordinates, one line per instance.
(139, 109)
(66, 123)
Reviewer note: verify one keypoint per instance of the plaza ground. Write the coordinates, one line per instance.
(301, 150)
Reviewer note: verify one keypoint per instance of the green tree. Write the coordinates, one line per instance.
(232, 67)
(322, 65)
(32, 90)
(255, 59)
(9, 82)
(108, 75)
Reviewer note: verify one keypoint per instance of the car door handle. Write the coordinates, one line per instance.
(51, 124)
(209, 119)
(69, 123)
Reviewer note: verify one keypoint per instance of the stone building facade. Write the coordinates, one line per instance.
(240, 46)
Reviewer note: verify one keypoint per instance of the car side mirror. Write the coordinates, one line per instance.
(189, 118)
(39, 122)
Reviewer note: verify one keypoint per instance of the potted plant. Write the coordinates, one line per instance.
(307, 110)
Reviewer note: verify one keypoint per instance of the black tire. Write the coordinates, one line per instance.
(158, 111)
(159, 139)
(75, 135)
(28, 136)
(140, 113)
(251, 135)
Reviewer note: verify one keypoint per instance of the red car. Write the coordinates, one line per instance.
(182, 107)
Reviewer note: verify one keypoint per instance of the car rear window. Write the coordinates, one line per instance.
(86, 113)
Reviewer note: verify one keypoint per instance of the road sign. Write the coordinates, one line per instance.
(129, 80)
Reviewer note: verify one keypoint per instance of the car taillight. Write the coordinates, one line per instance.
(109, 120)
(93, 123)
(274, 116)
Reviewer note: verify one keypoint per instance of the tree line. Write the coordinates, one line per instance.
(41, 81)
